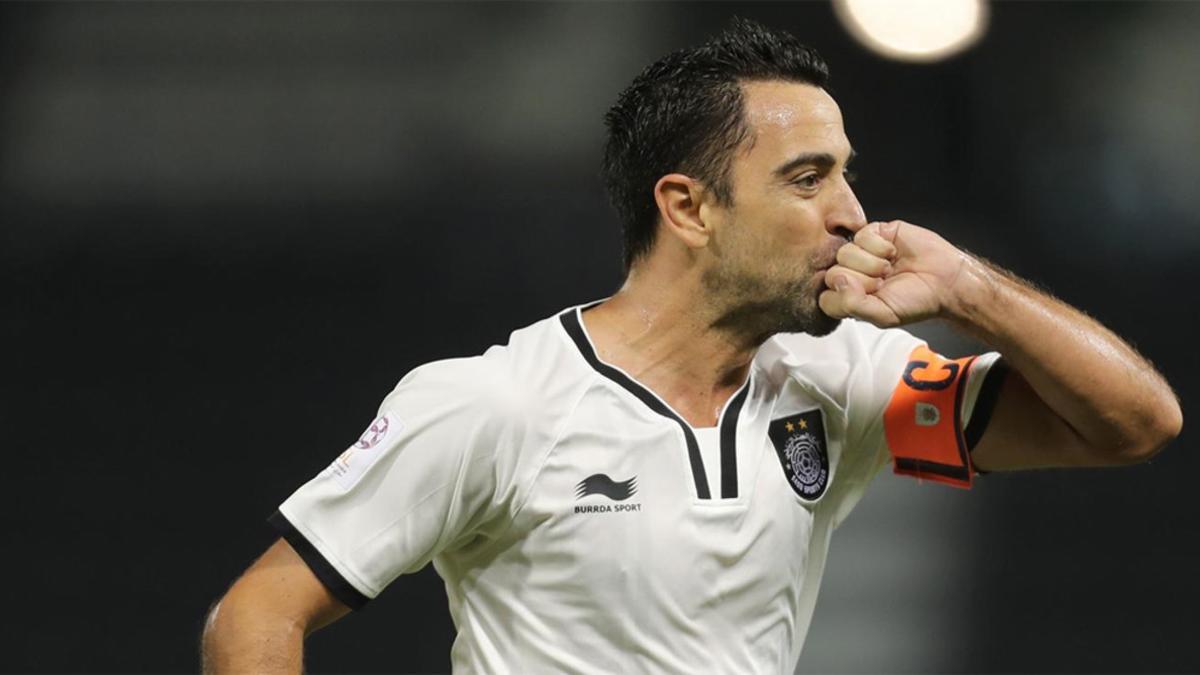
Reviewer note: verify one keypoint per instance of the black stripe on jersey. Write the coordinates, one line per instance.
(570, 321)
(729, 477)
(327, 573)
(728, 422)
(985, 403)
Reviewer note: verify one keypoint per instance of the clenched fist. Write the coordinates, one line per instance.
(895, 273)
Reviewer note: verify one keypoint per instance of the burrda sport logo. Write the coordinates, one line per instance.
(617, 491)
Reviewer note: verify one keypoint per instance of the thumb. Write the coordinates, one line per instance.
(890, 229)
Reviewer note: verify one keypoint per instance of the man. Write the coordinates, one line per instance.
(649, 483)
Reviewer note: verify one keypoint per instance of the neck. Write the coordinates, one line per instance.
(668, 336)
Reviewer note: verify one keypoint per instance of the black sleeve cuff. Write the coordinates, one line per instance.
(985, 403)
(332, 579)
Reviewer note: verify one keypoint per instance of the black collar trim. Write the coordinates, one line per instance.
(728, 423)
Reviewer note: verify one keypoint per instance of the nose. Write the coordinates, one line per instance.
(845, 215)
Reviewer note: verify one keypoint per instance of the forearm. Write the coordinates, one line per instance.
(1100, 386)
(239, 639)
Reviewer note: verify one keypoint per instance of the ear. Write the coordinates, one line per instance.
(679, 198)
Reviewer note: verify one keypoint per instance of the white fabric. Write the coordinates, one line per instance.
(481, 474)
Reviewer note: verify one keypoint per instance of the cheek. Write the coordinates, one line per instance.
(792, 225)
(805, 230)
(796, 245)
(773, 235)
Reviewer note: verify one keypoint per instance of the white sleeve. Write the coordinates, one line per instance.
(424, 477)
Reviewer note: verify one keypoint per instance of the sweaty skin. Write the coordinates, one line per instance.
(721, 278)
(1082, 396)
(1078, 395)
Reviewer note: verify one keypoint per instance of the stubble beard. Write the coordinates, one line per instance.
(757, 303)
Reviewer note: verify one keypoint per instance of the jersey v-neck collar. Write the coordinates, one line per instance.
(572, 322)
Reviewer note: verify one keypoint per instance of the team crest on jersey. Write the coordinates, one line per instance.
(799, 442)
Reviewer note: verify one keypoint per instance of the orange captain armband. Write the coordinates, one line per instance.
(923, 420)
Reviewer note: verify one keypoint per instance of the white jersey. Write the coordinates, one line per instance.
(582, 526)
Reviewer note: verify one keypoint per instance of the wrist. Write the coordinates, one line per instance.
(974, 290)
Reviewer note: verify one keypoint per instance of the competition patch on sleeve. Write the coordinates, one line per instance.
(350, 466)
(923, 424)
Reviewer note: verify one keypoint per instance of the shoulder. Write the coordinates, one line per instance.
(523, 381)
(496, 414)
(854, 345)
(854, 369)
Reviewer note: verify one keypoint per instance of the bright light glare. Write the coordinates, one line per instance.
(914, 30)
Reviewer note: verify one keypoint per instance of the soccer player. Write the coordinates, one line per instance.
(648, 483)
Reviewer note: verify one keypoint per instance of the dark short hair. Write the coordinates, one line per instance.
(684, 114)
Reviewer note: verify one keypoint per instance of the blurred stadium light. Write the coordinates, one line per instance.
(914, 30)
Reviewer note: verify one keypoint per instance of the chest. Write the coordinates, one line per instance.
(640, 505)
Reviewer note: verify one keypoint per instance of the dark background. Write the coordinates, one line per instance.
(227, 230)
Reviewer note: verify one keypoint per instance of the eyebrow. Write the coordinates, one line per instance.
(821, 160)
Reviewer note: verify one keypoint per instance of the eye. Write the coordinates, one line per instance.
(851, 176)
(809, 181)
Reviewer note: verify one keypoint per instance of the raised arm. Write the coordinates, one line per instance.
(1077, 395)
(260, 624)
(1091, 398)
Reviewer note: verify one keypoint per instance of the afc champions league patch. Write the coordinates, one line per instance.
(799, 442)
(350, 466)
